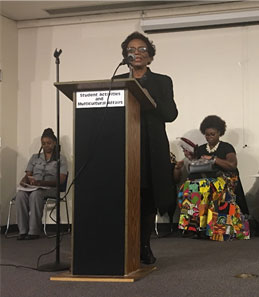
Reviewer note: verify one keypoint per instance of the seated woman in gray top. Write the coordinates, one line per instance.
(41, 171)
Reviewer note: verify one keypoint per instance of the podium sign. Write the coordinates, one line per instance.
(100, 99)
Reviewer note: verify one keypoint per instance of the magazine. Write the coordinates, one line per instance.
(187, 144)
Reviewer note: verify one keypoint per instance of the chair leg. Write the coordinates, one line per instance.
(45, 219)
(156, 225)
(68, 222)
(9, 219)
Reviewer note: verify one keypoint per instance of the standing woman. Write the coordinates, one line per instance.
(156, 173)
(41, 171)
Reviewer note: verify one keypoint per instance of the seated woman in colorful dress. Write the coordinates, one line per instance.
(213, 203)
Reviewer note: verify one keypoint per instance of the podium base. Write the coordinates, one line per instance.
(54, 267)
(134, 276)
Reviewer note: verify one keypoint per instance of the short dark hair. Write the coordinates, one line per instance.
(136, 35)
(214, 122)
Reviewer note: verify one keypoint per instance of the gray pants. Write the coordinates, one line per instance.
(29, 210)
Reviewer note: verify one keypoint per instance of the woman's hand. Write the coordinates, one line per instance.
(179, 165)
(230, 163)
(23, 184)
(188, 154)
(25, 180)
(33, 181)
(207, 157)
(178, 171)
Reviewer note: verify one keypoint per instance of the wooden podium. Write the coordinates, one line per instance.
(106, 200)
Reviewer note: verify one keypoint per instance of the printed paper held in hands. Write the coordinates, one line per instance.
(30, 188)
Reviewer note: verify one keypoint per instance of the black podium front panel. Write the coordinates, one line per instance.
(99, 192)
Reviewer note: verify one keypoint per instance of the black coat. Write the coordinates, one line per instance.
(156, 170)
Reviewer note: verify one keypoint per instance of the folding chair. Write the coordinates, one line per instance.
(11, 203)
(50, 201)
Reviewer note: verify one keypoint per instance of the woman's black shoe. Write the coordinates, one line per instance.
(22, 237)
(189, 234)
(202, 235)
(146, 255)
(32, 237)
(195, 235)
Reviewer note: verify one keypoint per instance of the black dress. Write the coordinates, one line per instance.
(156, 172)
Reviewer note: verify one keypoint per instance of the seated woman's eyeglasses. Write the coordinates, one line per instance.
(141, 49)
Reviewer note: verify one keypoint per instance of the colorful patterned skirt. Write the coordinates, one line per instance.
(208, 205)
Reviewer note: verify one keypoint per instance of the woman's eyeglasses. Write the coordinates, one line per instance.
(210, 134)
(141, 49)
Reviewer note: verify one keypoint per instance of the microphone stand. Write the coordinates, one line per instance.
(130, 71)
(57, 266)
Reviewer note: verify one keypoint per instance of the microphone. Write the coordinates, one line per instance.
(128, 60)
(57, 53)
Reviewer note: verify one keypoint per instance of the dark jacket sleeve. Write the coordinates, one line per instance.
(160, 88)
(166, 107)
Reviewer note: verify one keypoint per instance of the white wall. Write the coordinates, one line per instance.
(214, 71)
(8, 112)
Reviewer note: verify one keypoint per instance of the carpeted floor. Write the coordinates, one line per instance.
(185, 267)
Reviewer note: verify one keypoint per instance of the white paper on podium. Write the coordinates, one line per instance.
(97, 99)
